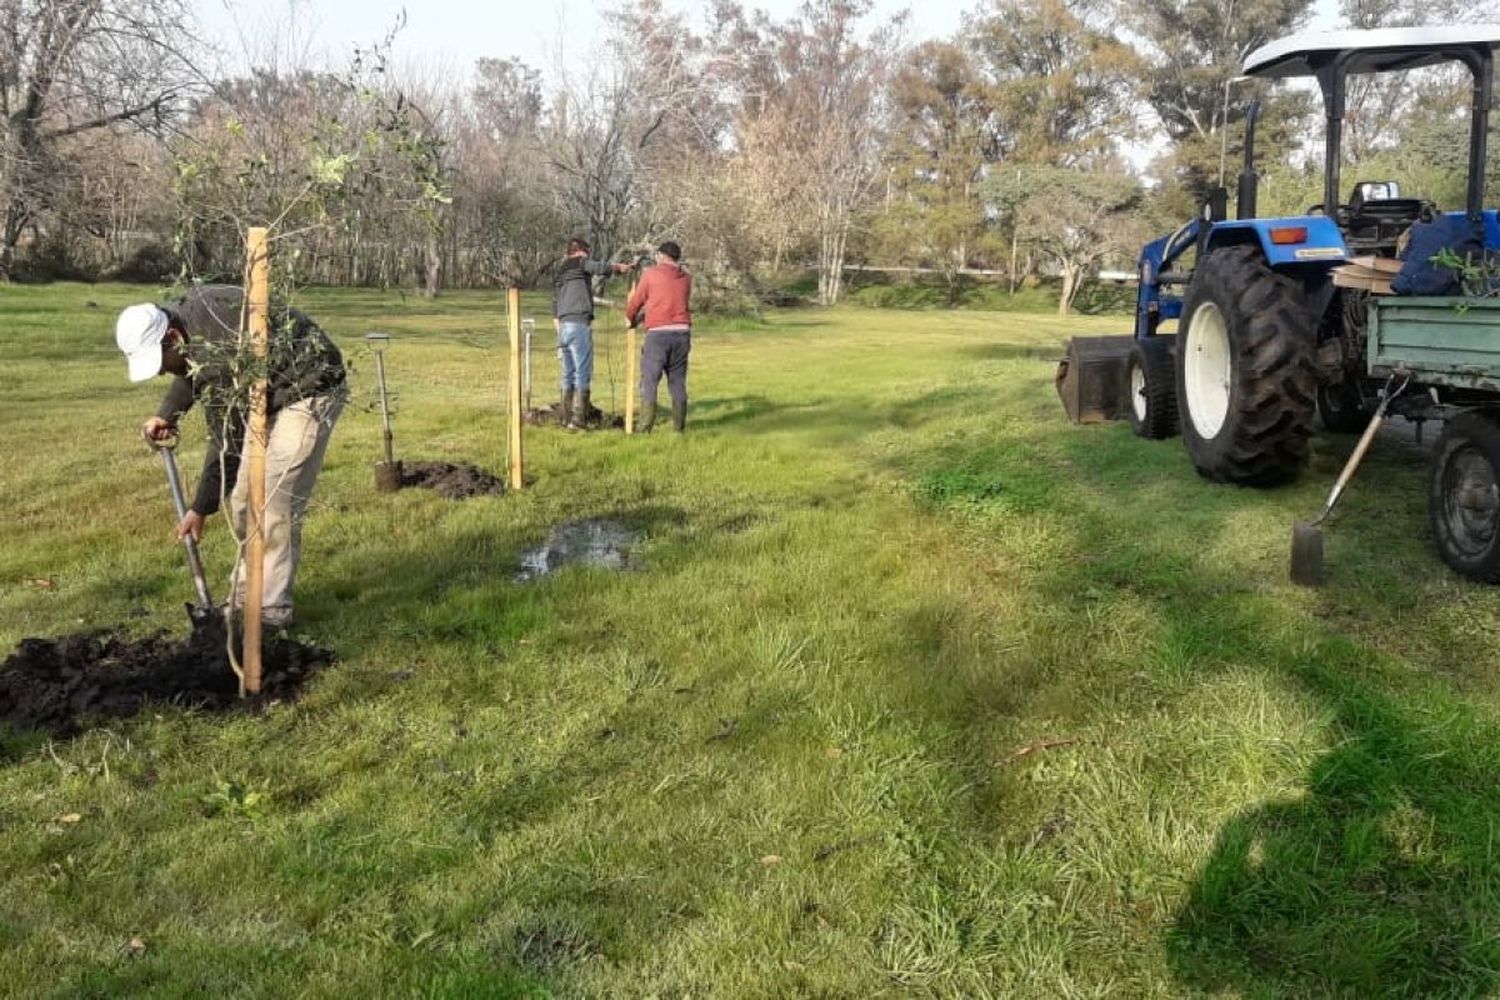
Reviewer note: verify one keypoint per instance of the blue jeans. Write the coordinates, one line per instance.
(575, 349)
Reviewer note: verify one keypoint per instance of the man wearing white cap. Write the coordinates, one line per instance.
(196, 340)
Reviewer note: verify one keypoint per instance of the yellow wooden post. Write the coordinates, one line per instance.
(517, 473)
(631, 360)
(258, 299)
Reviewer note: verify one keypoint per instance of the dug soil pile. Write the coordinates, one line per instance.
(59, 686)
(456, 482)
(553, 416)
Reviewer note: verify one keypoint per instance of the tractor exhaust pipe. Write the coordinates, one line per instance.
(1249, 184)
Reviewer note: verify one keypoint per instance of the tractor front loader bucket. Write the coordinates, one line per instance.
(1091, 378)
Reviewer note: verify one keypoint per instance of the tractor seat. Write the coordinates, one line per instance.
(1392, 209)
(1378, 224)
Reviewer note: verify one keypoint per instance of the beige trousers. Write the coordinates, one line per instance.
(296, 439)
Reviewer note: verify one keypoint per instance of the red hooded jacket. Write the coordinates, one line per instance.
(664, 291)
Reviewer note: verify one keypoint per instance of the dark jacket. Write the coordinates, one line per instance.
(573, 288)
(302, 362)
(664, 294)
(1419, 275)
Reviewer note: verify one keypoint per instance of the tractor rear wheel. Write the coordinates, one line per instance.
(1463, 496)
(1151, 388)
(1246, 379)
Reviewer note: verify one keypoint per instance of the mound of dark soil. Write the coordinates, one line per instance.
(61, 685)
(455, 482)
(553, 416)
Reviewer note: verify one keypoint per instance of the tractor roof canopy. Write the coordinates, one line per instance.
(1331, 56)
(1370, 50)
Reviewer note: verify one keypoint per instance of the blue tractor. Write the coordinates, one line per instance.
(1265, 342)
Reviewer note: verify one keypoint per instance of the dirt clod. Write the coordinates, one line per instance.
(59, 686)
(456, 482)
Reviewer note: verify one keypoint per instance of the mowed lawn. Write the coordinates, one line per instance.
(916, 690)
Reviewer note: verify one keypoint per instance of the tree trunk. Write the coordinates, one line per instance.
(1015, 247)
(10, 236)
(831, 259)
(433, 262)
(1069, 288)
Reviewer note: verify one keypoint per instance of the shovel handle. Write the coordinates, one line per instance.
(1352, 466)
(1365, 440)
(165, 443)
(189, 544)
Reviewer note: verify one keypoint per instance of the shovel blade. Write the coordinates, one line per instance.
(1307, 555)
(204, 616)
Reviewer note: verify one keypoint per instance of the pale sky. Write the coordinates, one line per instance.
(447, 36)
(452, 34)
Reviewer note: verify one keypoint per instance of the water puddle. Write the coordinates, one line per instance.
(595, 542)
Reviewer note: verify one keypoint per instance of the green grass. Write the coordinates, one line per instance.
(879, 566)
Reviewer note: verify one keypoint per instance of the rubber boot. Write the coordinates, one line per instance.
(583, 406)
(570, 411)
(679, 415)
(646, 418)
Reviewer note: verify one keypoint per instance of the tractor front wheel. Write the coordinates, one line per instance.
(1151, 388)
(1463, 496)
(1246, 379)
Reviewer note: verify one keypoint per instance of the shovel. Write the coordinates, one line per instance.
(1307, 536)
(204, 611)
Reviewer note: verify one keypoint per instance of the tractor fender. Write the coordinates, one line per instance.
(1307, 239)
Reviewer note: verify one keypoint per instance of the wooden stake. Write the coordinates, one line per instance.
(630, 373)
(258, 299)
(517, 456)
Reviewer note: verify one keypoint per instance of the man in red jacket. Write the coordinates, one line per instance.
(663, 294)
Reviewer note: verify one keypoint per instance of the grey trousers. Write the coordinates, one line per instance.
(665, 353)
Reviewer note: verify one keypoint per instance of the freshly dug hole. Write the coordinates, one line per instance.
(59, 686)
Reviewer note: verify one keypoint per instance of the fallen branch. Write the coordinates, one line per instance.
(1035, 746)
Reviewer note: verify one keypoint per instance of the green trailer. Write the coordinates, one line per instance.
(1446, 352)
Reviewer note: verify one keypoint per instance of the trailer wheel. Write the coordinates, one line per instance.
(1342, 408)
(1463, 496)
(1151, 388)
(1246, 379)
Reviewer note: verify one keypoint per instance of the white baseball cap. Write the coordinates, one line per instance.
(139, 332)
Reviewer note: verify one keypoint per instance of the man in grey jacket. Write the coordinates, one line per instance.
(196, 340)
(573, 318)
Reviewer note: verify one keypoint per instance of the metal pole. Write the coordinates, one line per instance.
(528, 326)
(385, 409)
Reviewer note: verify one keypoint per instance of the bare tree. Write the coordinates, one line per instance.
(818, 80)
(70, 67)
(1073, 218)
(625, 119)
(505, 221)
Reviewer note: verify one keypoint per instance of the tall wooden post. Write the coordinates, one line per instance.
(631, 377)
(517, 455)
(258, 300)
